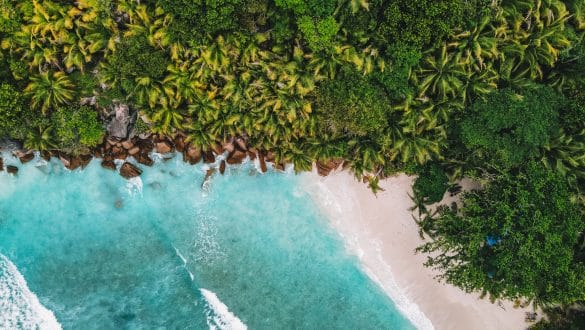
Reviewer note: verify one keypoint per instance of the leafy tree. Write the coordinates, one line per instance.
(507, 128)
(515, 239)
(431, 184)
(420, 23)
(352, 105)
(77, 127)
(13, 112)
(319, 34)
(133, 59)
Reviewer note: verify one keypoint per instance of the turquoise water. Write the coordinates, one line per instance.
(245, 249)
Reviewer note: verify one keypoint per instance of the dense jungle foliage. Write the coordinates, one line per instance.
(489, 89)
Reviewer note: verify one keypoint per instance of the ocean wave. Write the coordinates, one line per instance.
(218, 314)
(19, 307)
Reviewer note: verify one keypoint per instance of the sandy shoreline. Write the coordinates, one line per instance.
(383, 234)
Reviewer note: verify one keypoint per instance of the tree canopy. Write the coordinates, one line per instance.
(516, 238)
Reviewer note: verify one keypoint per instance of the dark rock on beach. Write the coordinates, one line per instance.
(209, 157)
(192, 155)
(1, 164)
(236, 157)
(164, 147)
(46, 155)
(25, 157)
(84, 160)
(179, 142)
(222, 167)
(12, 169)
(129, 171)
(109, 164)
(262, 162)
(144, 159)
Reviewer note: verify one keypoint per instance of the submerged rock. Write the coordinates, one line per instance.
(109, 164)
(12, 169)
(129, 171)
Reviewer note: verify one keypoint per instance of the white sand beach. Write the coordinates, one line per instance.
(382, 233)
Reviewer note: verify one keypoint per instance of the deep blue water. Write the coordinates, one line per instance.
(101, 252)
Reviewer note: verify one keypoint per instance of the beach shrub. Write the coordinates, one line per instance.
(514, 239)
(431, 184)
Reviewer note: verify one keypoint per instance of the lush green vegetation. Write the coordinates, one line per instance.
(477, 88)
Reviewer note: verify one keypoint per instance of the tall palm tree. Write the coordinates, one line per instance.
(50, 89)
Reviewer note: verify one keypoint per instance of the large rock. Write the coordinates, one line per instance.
(12, 169)
(164, 147)
(109, 164)
(129, 171)
(1, 164)
(218, 149)
(236, 157)
(118, 126)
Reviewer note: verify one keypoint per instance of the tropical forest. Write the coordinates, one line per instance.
(491, 90)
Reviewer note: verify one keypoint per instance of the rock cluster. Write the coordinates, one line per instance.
(232, 151)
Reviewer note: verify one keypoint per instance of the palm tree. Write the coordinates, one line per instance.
(566, 154)
(50, 89)
(441, 76)
(40, 138)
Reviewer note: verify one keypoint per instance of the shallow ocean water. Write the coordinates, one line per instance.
(165, 251)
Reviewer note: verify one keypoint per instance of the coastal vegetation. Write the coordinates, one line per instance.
(442, 89)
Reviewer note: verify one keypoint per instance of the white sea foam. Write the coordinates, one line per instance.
(134, 185)
(218, 314)
(338, 210)
(19, 307)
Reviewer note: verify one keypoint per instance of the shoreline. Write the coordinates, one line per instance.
(382, 233)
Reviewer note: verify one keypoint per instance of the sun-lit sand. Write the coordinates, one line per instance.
(382, 233)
